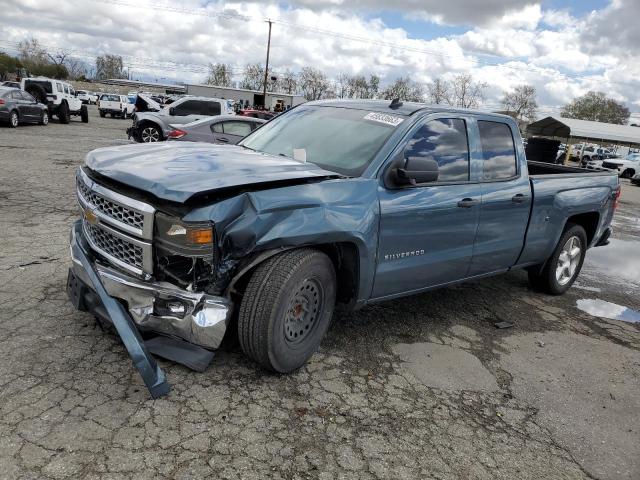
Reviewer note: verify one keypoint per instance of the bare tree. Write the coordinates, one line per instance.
(374, 86)
(466, 92)
(342, 85)
(219, 75)
(109, 66)
(439, 92)
(313, 83)
(253, 77)
(30, 51)
(404, 89)
(287, 83)
(521, 102)
(77, 68)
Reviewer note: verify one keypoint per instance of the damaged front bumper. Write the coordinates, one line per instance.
(195, 317)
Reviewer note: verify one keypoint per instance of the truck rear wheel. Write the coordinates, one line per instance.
(564, 265)
(63, 113)
(287, 308)
(102, 114)
(84, 114)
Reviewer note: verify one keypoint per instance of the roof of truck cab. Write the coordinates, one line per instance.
(406, 108)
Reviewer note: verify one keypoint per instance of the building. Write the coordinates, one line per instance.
(250, 98)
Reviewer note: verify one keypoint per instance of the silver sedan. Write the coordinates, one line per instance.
(222, 129)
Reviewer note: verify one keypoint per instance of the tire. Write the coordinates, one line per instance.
(14, 120)
(38, 92)
(124, 115)
(111, 115)
(628, 173)
(562, 268)
(287, 308)
(44, 119)
(84, 114)
(63, 113)
(102, 114)
(150, 134)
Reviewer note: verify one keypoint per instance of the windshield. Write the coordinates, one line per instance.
(338, 139)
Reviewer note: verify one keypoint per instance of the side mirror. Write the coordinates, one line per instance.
(415, 170)
(172, 111)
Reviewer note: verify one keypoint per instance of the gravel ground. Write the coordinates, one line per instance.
(423, 387)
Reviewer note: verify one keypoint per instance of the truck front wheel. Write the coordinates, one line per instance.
(564, 265)
(287, 308)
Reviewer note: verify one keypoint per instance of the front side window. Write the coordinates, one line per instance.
(27, 96)
(213, 108)
(342, 140)
(498, 151)
(445, 141)
(66, 89)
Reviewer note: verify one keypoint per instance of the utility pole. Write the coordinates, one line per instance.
(266, 69)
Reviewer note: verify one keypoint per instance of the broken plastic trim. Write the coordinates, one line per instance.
(152, 375)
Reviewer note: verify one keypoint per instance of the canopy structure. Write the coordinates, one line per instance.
(585, 130)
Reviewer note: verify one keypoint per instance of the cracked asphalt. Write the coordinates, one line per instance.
(422, 387)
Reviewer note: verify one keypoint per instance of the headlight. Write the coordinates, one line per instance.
(186, 238)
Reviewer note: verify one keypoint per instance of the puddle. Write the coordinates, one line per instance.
(619, 261)
(601, 308)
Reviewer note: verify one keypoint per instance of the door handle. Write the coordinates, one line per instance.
(223, 139)
(519, 198)
(468, 203)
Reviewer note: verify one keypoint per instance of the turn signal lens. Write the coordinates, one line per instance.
(199, 236)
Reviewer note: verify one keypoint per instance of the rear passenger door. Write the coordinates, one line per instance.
(506, 198)
(231, 132)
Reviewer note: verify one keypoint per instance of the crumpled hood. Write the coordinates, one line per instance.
(176, 171)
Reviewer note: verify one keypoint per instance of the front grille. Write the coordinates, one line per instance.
(110, 208)
(119, 228)
(113, 246)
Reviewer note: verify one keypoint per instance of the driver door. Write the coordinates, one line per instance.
(427, 231)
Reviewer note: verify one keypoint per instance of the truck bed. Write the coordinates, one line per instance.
(539, 169)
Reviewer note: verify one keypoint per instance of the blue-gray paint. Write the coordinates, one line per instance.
(458, 243)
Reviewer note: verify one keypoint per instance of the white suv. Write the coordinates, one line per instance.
(115, 105)
(59, 96)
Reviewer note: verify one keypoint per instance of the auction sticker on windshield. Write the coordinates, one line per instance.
(384, 118)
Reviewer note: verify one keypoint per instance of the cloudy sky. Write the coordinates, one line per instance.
(562, 47)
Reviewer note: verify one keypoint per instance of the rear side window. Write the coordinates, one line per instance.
(445, 141)
(16, 95)
(59, 87)
(217, 128)
(498, 150)
(242, 129)
(44, 84)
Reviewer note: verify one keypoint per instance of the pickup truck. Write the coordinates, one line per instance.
(115, 105)
(333, 202)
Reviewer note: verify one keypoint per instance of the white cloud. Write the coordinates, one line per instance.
(550, 49)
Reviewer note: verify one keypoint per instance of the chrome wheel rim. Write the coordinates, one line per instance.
(45, 118)
(568, 260)
(150, 134)
(304, 311)
(14, 119)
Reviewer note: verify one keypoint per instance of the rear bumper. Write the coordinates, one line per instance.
(196, 317)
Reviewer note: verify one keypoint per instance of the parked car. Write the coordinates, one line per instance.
(86, 97)
(636, 179)
(10, 84)
(353, 202)
(115, 105)
(155, 126)
(223, 129)
(17, 106)
(59, 97)
(263, 114)
(626, 167)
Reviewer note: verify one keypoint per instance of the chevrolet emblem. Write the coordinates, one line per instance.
(90, 217)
